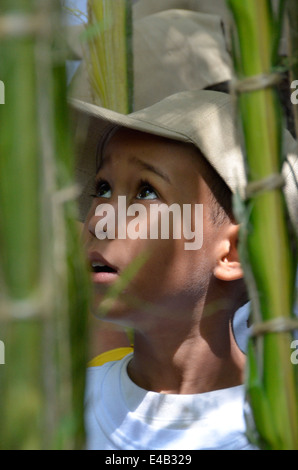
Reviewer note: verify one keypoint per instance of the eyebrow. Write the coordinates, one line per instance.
(150, 167)
(141, 164)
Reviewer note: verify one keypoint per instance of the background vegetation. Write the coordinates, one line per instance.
(267, 254)
(44, 287)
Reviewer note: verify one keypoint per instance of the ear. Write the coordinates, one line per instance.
(228, 267)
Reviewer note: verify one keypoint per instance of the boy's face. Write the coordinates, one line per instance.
(149, 170)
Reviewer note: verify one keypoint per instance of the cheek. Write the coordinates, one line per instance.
(170, 271)
(85, 231)
(86, 237)
(171, 280)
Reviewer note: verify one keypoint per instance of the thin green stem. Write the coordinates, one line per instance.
(271, 380)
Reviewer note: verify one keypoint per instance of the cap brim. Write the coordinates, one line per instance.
(92, 123)
(203, 118)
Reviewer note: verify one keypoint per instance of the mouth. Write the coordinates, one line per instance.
(102, 268)
(102, 271)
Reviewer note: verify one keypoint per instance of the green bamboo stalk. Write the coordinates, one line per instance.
(108, 54)
(268, 262)
(20, 218)
(74, 298)
(292, 15)
(19, 242)
(44, 282)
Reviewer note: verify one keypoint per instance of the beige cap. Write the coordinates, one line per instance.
(204, 118)
(174, 50)
(144, 8)
(213, 7)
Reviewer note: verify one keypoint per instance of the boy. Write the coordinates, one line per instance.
(181, 388)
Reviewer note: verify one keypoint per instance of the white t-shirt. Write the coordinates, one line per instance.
(122, 416)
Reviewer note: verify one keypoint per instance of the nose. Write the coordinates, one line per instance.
(91, 226)
(104, 218)
(97, 220)
(108, 220)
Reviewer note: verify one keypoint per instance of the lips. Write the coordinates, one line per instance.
(102, 271)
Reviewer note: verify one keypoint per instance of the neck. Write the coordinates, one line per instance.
(191, 358)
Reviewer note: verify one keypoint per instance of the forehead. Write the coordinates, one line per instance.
(130, 144)
(128, 153)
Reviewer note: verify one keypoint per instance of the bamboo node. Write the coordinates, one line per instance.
(255, 82)
(277, 325)
(22, 24)
(26, 309)
(67, 194)
(269, 183)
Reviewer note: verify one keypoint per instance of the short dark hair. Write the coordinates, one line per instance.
(221, 200)
(221, 196)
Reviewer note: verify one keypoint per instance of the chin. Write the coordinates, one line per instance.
(114, 311)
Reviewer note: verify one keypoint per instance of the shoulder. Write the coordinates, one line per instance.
(106, 366)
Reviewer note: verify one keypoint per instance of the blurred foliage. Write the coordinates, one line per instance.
(267, 257)
(108, 53)
(44, 285)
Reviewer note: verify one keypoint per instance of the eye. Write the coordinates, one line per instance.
(146, 191)
(102, 189)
